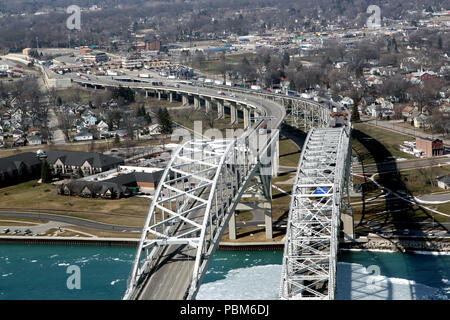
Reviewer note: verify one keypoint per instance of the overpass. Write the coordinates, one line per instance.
(205, 179)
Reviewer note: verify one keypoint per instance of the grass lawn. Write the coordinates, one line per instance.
(186, 118)
(82, 95)
(444, 208)
(212, 65)
(129, 211)
(373, 144)
(289, 152)
(418, 181)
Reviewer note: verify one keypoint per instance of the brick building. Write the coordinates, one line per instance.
(85, 51)
(149, 44)
(431, 147)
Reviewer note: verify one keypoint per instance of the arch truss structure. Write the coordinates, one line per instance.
(319, 196)
(306, 114)
(198, 192)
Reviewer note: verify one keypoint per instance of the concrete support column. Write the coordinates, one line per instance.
(348, 225)
(185, 99)
(146, 93)
(246, 118)
(170, 97)
(207, 104)
(232, 227)
(220, 109)
(255, 114)
(268, 218)
(233, 113)
(276, 157)
(159, 95)
(196, 102)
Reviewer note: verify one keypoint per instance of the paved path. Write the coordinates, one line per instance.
(58, 135)
(434, 198)
(393, 125)
(403, 165)
(89, 224)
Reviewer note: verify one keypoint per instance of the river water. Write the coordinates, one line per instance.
(41, 272)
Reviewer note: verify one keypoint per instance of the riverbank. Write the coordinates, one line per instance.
(399, 244)
(373, 243)
(128, 242)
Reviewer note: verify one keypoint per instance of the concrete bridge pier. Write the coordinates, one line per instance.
(170, 96)
(159, 95)
(246, 117)
(262, 189)
(207, 105)
(184, 99)
(348, 224)
(232, 227)
(233, 112)
(196, 102)
(220, 109)
(255, 114)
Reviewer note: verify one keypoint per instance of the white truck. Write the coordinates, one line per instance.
(143, 75)
(255, 87)
(111, 73)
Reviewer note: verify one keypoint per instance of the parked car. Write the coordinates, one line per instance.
(28, 231)
(6, 230)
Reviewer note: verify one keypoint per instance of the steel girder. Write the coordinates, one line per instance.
(199, 190)
(305, 114)
(310, 253)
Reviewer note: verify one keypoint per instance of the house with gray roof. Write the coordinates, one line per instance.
(64, 162)
(444, 182)
(123, 185)
(18, 168)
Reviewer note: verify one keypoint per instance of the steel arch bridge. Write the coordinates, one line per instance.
(198, 192)
(204, 182)
(320, 195)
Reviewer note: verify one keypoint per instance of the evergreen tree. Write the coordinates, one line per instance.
(148, 118)
(126, 93)
(286, 58)
(165, 121)
(117, 140)
(80, 172)
(355, 113)
(46, 176)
